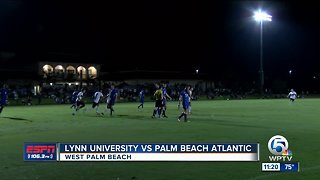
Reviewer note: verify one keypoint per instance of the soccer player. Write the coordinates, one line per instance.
(141, 97)
(190, 96)
(164, 100)
(96, 99)
(184, 99)
(79, 101)
(74, 98)
(158, 105)
(112, 96)
(4, 97)
(292, 95)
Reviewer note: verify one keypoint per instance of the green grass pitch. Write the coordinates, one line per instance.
(242, 121)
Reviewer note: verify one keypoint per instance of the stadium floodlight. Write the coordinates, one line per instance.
(197, 71)
(261, 16)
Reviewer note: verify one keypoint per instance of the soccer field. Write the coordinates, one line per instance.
(234, 121)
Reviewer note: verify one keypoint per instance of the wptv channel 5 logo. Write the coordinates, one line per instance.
(40, 151)
(278, 146)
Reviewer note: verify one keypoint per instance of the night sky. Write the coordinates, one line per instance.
(221, 39)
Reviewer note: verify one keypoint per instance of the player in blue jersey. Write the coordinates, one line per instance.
(74, 98)
(190, 97)
(164, 100)
(4, 97)
(112, 96)
(141, 97)
(184, 101)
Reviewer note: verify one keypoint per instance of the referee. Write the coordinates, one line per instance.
(158, 105)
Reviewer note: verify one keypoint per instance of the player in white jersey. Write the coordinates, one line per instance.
(79, 100)
(292, 95)
(96, 99)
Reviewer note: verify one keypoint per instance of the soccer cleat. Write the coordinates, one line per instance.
(165, 116)
(178, 120)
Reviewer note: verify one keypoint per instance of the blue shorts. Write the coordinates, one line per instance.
(3, 102)
(164, 102)
(111, 103)
(185, 105)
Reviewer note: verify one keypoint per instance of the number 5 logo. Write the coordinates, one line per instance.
(278, 144)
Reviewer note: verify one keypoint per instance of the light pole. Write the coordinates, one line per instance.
(260, 16)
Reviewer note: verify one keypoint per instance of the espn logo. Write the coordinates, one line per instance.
(40, 149)
(40, 152)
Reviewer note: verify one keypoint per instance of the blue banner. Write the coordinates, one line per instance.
(289, 167)
(158, 148)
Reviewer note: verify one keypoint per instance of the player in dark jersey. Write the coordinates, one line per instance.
(74, 98)
(164, 100)
(158, 104)
(141, 97)
(112, 96)
(4, 97)
(184, 99)
(190, 98)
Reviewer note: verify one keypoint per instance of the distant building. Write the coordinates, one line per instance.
(68, 72)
